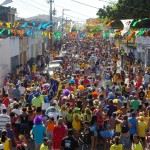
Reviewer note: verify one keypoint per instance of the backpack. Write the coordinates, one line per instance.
(125, 127)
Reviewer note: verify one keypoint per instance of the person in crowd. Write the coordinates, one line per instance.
(136, 145)
(116, 145)
(39, 132)
(69, 142)
(59, 132)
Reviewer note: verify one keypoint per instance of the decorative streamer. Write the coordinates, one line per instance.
(109, 23)
(126, 25)
(8, 24)
(24, 25)
(1, 32)
(130, 35)
(135, 23)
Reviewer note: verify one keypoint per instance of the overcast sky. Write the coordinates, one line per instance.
(29, 8)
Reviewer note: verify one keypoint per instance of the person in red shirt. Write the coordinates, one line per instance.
(5, 100)
(70, 87)
(76, 81)
(59, 133)
(86, 81)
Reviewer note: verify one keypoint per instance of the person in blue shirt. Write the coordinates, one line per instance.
(134, 125)
(39, 132)
(16, 93)
(31, 96)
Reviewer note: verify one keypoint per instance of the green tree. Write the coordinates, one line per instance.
(126, 9)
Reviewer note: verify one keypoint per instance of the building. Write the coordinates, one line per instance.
(9, 56)
(7, 14)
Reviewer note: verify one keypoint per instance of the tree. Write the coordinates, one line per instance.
(126, 9)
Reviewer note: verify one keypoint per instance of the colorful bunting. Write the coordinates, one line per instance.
(109, 23)
(135, 23)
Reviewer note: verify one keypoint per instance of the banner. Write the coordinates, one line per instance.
(126, 25)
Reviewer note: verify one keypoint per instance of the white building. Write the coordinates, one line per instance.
(9, 56)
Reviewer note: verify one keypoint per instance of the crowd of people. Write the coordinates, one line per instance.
(98, 99)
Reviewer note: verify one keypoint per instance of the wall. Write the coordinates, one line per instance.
(23, 45)
(9, 48)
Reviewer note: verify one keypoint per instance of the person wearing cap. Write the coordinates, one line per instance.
(69, 142)
(76, 124)
(36, 101)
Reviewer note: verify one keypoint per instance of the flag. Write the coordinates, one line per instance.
(126, 25)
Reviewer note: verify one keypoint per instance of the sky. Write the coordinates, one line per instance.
(76, 12)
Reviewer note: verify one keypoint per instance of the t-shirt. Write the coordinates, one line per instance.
(112, 109)
(2, 106)
(87, 134)
(5, 101)
(69, 143)
(38, 131)
(142, 129)
(133, 122)
(36, 102)
(135, 104)
(24, 118)
(4, 118)
(43, 147)
(116, 147)
(137, 146)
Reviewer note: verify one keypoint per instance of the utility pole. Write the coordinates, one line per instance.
(51, 27)
(62, 26)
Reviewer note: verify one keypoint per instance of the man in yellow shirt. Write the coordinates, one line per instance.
(142, 127)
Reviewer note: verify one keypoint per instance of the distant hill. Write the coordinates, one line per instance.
(42, 18)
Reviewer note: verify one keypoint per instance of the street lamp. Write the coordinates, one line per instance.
(62, 30)
(6, 2)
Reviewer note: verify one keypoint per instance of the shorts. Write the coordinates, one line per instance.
(125, 141)
(49, 135)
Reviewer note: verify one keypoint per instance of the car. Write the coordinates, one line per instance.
(52, 68)
(59, 58)
(56, 62)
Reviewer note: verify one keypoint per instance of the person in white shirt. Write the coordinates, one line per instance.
(2, 106)
(22, 89)
(4, 119)
(16, 110)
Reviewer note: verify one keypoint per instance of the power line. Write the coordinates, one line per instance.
(61, 7)
(71, 10)
(23, 7)
(85, 4)
(46, 11)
